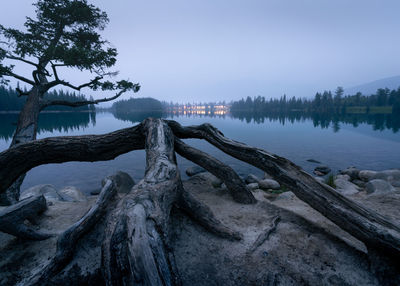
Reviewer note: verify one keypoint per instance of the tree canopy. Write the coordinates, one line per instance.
(65, 34)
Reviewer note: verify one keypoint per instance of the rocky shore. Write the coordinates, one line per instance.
(285, 241)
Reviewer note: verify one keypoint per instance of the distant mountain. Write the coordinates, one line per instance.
(371, 87)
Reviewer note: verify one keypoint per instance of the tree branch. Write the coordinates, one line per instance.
(80, 103)
(12, 57)
(21, 78)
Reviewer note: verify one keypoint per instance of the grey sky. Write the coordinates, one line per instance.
(222, 50)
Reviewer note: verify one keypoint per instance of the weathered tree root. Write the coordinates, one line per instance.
(236, 187)
(12, 218)
(365, 224)
(265, 234)
(135, 248)
(67, 240)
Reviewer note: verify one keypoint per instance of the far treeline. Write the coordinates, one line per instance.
(11, 101)
(383, 101)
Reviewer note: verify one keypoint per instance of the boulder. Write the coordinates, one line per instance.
(72, 194)
(322, 170)
(352, 172)
(48, 191)
(367, 175)
(124, 182)
(253, 186)
(251, 179)
(194, 170)
(269, 184)
(210, 178)
(345, 187)
(378, 187)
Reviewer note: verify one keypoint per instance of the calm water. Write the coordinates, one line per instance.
(365, 143)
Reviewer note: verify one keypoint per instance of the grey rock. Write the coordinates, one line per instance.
(124, 182)
(319, 179)
(286, 196)
(251, 179)
(345, 187)
(95, 192)
(269, 184)
(353, 172)
(367, 175)
(359, 183)
(253, 186)
(313, 161)
(267, 176)
(210, 178)
(343, 177)
(395, 184)
(72, 194)
(48, 191)
(194, 170)
(378, 187)
(322, 170)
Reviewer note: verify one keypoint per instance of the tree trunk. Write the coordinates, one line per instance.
(25, 132)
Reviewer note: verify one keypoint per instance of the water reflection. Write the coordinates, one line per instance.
(325, 120)
(52, 122)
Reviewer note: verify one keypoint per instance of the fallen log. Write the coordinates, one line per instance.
(12, 218)
(19, 159)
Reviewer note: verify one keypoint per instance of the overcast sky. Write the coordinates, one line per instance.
(223, 50)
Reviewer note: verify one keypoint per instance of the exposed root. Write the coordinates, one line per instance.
(12, 218)
(265, 234)
(235, 185)
(67, 240)
(204, 216)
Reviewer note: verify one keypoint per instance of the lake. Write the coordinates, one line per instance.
(367, 142)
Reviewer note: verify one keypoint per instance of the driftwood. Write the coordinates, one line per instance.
(12, 218)
(135, 249)
(67, 240)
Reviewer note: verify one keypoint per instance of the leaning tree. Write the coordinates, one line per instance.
(135, 236)
(64, 35)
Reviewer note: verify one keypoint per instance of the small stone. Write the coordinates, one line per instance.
(378, 187)
(313, 161)
(345, 187)
(48, 191)
(353, 172)
(319, 179)
(123, 181)
(343, 177)
(95, 192)
(72, 194)
(322, 169)
(267, 176)
(367, 175)
(269, 184)
(286, 196)
(194, 170)
(251, 179)
(210, 178)
(318, 173)
(252, 186)
(359, 183)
